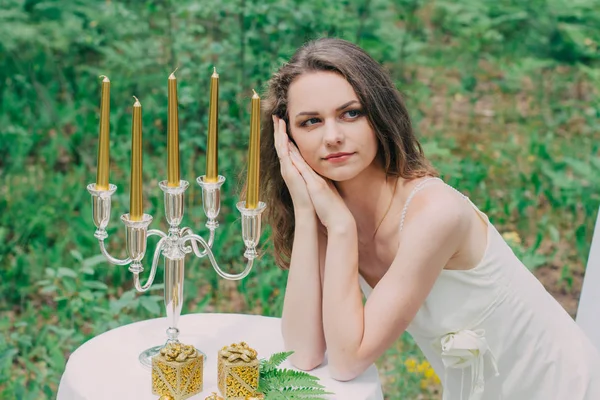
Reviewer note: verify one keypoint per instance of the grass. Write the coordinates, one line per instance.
(526, 156)
(520, 136)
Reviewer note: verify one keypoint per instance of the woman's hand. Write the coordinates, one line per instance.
(326, 200)
(290, 174)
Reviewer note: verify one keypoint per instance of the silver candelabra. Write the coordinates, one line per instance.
(174, 244)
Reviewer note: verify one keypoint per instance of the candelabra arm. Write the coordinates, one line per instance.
(197, 252)
(156, 232)
(232, 277)
(110, 258)
(136, 276)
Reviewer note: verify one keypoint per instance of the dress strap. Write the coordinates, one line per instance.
(411, 195)
(416, 189)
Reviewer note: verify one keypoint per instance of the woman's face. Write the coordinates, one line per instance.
(329, 126)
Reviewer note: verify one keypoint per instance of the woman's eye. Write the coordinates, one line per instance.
(352, 114)
(310, 122)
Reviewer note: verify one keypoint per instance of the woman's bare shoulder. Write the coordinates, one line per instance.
(436, 202)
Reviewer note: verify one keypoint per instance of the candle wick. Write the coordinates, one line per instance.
(255, 94)
(105, 78)
(137, 101)
(172, 76)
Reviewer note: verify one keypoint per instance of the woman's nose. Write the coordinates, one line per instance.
(333, 134)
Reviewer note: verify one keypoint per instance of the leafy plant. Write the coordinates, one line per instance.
(283, 383)
(503, 93)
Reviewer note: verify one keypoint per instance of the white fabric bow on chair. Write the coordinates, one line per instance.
(464, 349)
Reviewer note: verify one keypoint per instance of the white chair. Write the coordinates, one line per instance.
(588, 311)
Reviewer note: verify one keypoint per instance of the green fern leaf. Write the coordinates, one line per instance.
(287, 384)
(288, 377)
(274, 395)
(304, 393)
(275, 360)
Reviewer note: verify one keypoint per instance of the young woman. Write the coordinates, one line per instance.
(354, 204)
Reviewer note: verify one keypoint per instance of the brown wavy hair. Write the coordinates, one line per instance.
(399, 150)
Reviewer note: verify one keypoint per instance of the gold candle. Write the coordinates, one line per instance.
(135, 197)
(253, 154)
(173, 135)
(212, 155)
(104, 138)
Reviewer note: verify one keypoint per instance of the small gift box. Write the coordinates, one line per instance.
(238, 371)
(177, 371)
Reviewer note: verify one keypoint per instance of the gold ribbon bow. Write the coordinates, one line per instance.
(178, 352)
(238, 351)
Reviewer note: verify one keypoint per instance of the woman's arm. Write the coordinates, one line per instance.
(302, 321)
(355, 335)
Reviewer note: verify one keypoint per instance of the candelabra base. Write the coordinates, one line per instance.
(145, 356)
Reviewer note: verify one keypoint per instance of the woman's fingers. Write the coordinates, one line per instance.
(298, 160)
(276, 136)
(282, 145)
(281, 139)
(309, 175)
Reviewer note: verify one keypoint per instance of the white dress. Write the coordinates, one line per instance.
(493, 332)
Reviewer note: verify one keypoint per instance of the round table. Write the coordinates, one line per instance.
(107, 366)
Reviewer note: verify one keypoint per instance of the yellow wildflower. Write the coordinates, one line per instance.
(423, 367)
(512, 237)
(411, 364)
(429, 373)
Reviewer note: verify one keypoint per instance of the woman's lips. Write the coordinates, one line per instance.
(339, 158)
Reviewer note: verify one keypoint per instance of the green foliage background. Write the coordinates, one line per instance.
(503, 93)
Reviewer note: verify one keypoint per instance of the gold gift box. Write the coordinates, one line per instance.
(177, 371)
(238, 371)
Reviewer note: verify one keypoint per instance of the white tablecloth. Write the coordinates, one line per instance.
(107, 366)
